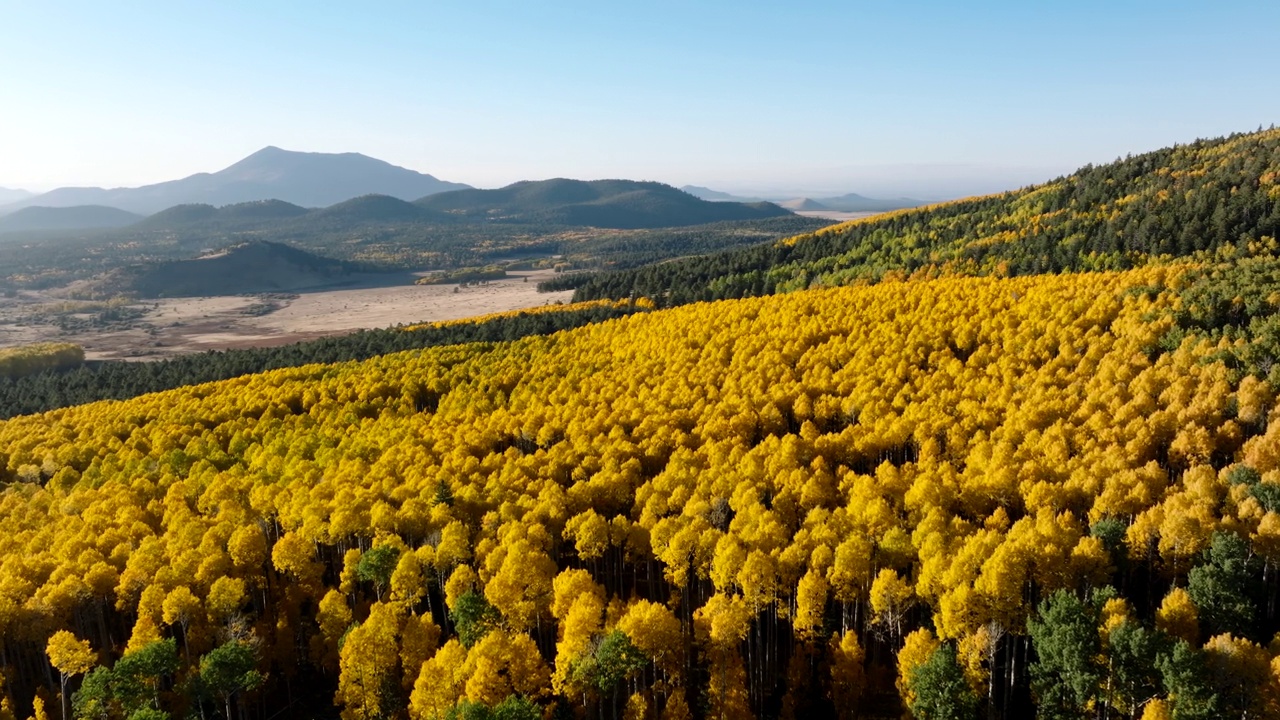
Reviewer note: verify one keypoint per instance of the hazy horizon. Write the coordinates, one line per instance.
(920, 182)
(820, 97)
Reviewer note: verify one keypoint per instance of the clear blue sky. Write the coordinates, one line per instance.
(867, 97)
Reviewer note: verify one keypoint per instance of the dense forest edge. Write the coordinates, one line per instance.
(38, 378)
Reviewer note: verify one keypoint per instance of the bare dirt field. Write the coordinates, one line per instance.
(152, 329)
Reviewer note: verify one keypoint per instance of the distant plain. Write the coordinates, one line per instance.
(154, 329)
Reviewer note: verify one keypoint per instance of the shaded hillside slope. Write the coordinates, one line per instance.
(249, 268)
(69, 218)
(1220, 196)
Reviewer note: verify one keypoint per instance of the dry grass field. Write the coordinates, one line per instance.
(152, 329)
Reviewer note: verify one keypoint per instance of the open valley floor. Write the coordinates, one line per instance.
(153, 329)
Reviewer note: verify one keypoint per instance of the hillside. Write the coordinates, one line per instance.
(707, 193)
(850, 202)
(260, 210)
(9, 195)
(306, 179)
(853, 202)
(178, 215)
(1213, 196)
(621, 204)
(254, 267)
(377, 209)
(803, 204)
(66, 218)
(763, 507)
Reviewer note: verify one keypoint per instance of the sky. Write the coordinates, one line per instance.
(927, 99)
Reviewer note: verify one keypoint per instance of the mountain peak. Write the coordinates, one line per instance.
(307, 179)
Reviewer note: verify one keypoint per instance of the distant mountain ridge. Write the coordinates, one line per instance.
(853, 202)
(850, 202)
(69, 218)
(805, 204)
(239, 214)
(612, 204)
(304, 179)
(617, 204)
(11, 195)
(707, 193)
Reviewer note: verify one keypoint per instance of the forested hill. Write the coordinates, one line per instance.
(253, 267)
(66, 218)
(1218, 195)
(619, 204)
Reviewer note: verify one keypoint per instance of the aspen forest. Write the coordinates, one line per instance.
(903, 470)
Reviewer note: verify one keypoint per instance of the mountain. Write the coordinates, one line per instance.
(261, 210)
(715, 195)
(806, 204)
(66, 218)
(252, 267)
(1212, 196)
(378, 209)
(239, 215)
(179, 215)
(8, 195)
(853, 202)
(306, 179)
(620, 204)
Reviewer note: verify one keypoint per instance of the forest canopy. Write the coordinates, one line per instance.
(923, 495)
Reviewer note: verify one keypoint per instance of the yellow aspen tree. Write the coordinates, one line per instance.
(1178, 616)
(917, 648)
(1157, 709)
(226, 597)
(408, 585)
(248, 548)
(419, 638)
(70, 656)
(579, 606)
(503, 664)
(811, 603)
(892, 597)
(848, 675)
(369, 677)
(180, 608)
(676, 707)
(461, 581)
(656, 631)
(333, 615)
(37, 709)
(440, 682)
(295, 556)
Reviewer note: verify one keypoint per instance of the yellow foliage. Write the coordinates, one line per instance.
(936, 448)
(69, 655)
(1179, 617)
(916, 650)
